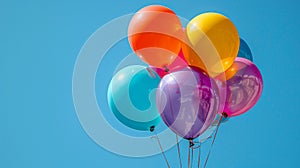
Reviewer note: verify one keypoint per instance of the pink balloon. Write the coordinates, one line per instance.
(243, 89)
(178, 64)
(161, 73)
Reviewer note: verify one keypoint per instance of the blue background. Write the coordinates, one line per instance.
(40, 41)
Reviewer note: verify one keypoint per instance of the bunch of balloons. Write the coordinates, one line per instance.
(196, 75)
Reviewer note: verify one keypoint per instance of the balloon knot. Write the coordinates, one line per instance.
(224, 114)
(191, 143)
(152, 128)
(166, 69)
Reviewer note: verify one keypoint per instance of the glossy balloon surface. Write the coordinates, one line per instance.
(154, 34)
(131, 97)
(212, 43)
(188, 102)
(244, 50)
(244, 88)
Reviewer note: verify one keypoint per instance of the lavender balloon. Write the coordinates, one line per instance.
(188, 102)
(244, 86)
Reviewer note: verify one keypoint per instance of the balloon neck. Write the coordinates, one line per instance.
(166, 69)
(152, 128)
(224, 114)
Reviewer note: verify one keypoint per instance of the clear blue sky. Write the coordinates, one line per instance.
(39, 44)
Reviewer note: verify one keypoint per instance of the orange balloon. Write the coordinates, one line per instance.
(155, 33)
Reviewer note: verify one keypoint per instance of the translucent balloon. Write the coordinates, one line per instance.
(188, 102)
(212, 43)
(244, 87)
(131, 97)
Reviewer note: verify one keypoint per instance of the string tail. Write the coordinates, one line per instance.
(189, 157)
(162, 150)
(192, 157)
(199, 155)
(178, 150)
(191, 145)
(213, 141)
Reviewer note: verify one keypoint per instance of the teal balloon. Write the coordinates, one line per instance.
(132, 97)
(244, 50)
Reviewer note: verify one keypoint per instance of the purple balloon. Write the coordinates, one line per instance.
(243, 89)
(188, 101)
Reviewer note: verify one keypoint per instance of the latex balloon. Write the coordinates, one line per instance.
(155, 33)
(188, 102)
(212, 43)
(222, 93)
(244, 50)
(132, 97)
(179, 63)
(243, 88)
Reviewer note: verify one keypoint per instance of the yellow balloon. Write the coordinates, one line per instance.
(212, 43)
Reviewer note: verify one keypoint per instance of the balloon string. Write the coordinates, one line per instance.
(191, 145)
(189, 158)
(178, 149)
(213, 141)
(192, 157)
(162, 150)
(150, 71)
(199, 153)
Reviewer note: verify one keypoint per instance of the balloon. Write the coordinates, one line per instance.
(131, 97)
(155, 33)
(243, 88)
(222, 92)
(244, 50)
(212, 43)
(187, 101)
(179, 63)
